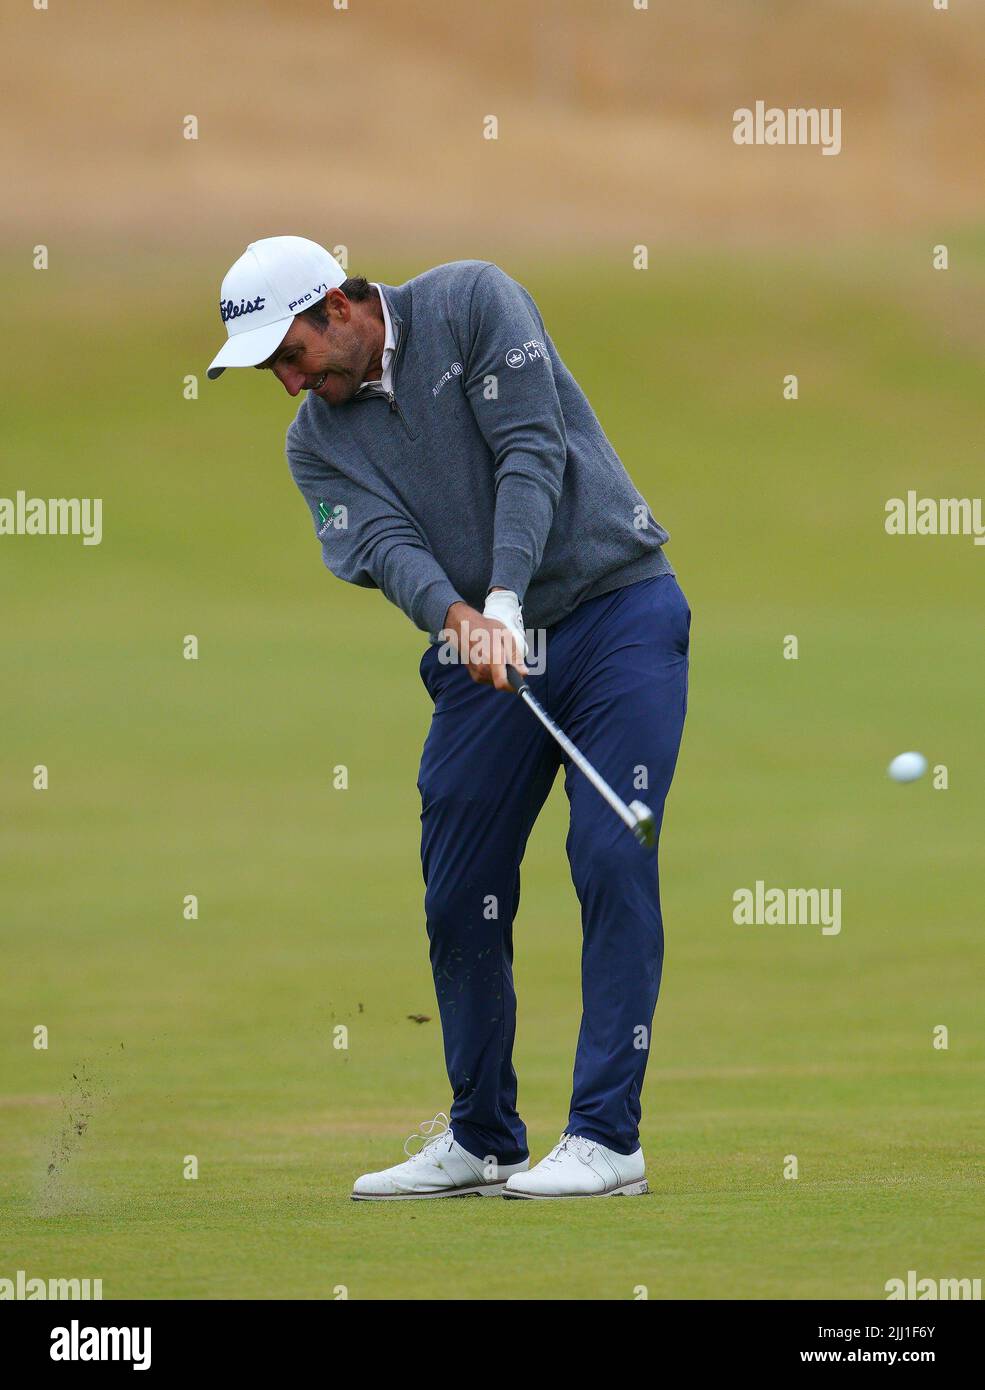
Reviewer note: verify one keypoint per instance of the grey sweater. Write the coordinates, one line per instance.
(485, 467)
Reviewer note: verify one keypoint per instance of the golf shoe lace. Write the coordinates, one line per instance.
(583, 1149)
(429, 1132)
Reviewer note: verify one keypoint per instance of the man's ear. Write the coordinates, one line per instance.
(338, 306)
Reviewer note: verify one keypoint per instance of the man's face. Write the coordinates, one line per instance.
(329, 360)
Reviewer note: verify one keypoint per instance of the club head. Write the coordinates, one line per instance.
(645, 828)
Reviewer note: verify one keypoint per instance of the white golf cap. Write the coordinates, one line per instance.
(273, 280)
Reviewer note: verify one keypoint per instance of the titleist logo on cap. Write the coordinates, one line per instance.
(229, 310)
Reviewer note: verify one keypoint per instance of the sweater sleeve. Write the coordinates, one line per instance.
(510, 385)
(365, 542)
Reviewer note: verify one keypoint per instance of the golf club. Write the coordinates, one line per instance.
(637, 816)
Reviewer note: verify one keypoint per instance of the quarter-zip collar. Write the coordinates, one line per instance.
(397, 308)
(396, 317)
(389, 343)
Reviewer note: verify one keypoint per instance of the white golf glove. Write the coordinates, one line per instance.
(504, 605)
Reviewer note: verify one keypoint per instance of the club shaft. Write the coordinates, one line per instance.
(580, 761)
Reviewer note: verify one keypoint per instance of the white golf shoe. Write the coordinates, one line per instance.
(578, 1167)
(440, 1168)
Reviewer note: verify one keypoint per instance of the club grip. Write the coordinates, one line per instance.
(515, 679)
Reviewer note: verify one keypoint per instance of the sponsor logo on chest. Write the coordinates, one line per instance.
(454, 370)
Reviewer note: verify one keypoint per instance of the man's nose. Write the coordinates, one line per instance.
(291, 379)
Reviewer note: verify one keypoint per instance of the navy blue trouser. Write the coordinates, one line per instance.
(615, 679)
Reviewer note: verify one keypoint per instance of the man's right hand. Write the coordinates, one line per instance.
(486, 644)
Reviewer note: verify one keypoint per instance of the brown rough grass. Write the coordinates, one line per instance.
(364, 126)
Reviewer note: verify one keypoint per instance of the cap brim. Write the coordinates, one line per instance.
(251, 348)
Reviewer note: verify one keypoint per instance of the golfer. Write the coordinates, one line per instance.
(450, 459)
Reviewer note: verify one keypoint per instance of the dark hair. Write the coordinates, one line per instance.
(357, 288)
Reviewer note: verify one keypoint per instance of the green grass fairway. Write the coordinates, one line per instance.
(169, 777)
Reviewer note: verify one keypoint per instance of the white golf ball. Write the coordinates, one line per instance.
(907, 767)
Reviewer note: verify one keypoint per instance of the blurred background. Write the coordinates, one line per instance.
(364, 125)
(363, 128)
